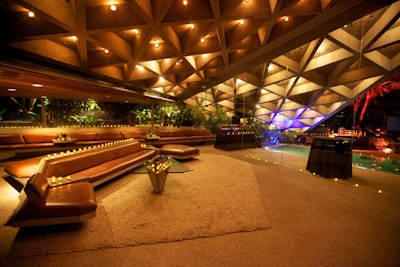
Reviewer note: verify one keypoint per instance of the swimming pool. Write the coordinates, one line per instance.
(359, 160)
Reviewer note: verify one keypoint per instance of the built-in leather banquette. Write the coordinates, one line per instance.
(44, 204)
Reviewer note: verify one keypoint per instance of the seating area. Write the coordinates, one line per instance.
(61, 166)
(165, 135)
(59, 188)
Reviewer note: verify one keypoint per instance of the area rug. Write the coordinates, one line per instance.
(220, 196)
(176, 167)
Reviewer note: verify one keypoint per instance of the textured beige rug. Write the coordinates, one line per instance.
(213, 199)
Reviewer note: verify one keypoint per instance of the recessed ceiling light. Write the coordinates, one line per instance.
(37, 85)
(12, 89)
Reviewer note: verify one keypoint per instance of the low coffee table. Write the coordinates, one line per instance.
(178, 151)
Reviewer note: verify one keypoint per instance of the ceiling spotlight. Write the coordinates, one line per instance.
(241, 21)
(31, 14)
(106, 51)
(191, 26)
(156, 45)
(286, 18)
(185, 2)
(74, 38)
(113, 7)
(136, 31)
(37, 85)
(202, 40)
(12, 89)
(247, 1)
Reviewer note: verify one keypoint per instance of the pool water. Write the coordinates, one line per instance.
(360, 160)
(385, 164)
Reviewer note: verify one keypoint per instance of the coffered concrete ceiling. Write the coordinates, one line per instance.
(293, 63)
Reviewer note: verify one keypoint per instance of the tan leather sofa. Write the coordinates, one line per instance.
(45, 200)
(186, 135)
(98, 164)
(41, 204)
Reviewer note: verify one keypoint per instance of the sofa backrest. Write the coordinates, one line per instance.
(133, 134)
(39, 138)
(109, 136)
(11, 139)
(81, 161)
(88, 136)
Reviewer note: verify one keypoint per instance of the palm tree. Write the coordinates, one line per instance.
(392, 84)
